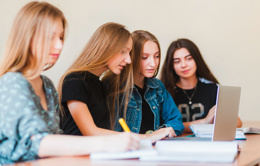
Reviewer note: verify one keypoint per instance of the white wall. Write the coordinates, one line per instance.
(227, 33)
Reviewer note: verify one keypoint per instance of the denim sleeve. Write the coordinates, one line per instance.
(170, 113)
(21, 125)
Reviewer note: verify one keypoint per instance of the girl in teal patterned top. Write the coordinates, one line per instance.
(29, 105)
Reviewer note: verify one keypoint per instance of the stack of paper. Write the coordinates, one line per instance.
(249, 130)
(194, 151)
(146, 149)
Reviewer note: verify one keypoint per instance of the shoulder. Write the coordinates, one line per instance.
(14, 80)
(13, 77)
(207, 85)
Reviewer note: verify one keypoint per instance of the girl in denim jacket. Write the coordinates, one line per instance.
(151, 107)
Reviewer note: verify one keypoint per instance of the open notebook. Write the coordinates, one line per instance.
(206, 131)
(146, 149)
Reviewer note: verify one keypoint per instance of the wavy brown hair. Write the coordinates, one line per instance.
(108, 40)
(168, 74)
(29, 41)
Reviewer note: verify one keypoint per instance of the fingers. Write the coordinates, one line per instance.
(161, 133)
(132, 141)
(170, 131)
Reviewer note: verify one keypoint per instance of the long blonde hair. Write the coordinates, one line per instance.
(105, 43)
(139, 39)
(29, 41)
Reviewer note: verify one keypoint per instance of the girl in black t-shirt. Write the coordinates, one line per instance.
(191, 83)
(85, 110)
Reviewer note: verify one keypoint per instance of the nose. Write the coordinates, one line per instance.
(58, 44)
(128, 59)
(183, 63)
(152, 62)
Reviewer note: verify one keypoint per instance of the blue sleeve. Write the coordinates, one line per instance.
(170, 113)
(21, 125)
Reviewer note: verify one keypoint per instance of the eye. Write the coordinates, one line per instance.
(176, 61)
(144, 57)
(189, 58)
(123, 52)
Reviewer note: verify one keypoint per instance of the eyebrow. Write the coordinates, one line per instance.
(149, 54)
(127, 48)
(59, 33)
(184, 57)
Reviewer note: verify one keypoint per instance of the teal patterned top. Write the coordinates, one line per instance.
(23, 121)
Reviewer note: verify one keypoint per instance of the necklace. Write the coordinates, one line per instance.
(190, 97)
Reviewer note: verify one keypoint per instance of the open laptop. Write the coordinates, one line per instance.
(225, 121)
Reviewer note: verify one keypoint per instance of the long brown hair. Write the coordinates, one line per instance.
(29, 41)
(139, 39)
(105, 43)
(169, 76)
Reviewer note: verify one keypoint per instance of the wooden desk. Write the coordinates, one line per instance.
(249, 155)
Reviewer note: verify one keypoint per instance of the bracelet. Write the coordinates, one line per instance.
(149, 132)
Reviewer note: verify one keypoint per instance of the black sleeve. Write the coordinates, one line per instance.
(74, 89)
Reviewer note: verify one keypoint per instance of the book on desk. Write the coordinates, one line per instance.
(179, 151)
(249, 130)
(207, 131)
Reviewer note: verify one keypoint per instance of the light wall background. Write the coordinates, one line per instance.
(227, 33)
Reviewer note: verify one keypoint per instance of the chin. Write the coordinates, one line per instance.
(117, 72)
(149, 76)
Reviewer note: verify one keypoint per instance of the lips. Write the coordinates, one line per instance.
(121, 67)
(185, 71)
(55, 55)
(150, 70)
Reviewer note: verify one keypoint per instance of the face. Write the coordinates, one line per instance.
(121, 59)
(56, 44)
(184, 64)
(150, 59)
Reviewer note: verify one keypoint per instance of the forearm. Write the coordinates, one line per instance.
(187, 124)
(96, 131)
(61, 145)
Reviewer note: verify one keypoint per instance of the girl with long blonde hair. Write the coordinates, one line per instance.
(29, 105)
(85, 108)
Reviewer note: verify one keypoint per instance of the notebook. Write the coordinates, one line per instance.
(249, 130)
(146, 149)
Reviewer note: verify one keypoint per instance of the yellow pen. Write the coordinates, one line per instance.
(124, 125)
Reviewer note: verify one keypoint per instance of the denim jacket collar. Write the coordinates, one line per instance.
(150, 84)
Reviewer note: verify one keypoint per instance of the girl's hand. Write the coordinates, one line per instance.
(160, 134)
(122, 142)
(210, 117)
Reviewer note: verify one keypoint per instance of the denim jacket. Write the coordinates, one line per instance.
(166, 113)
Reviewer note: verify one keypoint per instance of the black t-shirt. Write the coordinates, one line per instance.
(147, 114)
(203, 100)
(87, 88)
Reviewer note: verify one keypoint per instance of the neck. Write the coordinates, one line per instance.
(36, 83)
(98, 72)
(140, 81)
(187, 83)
